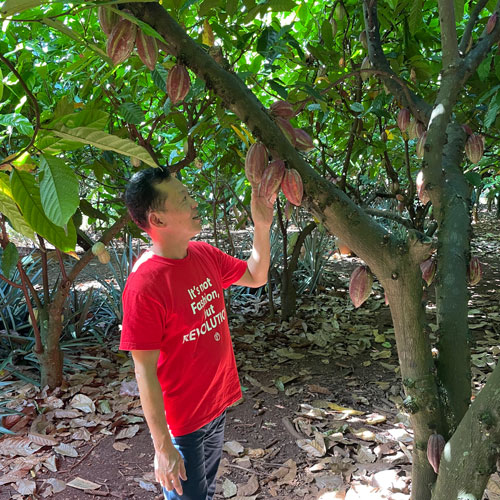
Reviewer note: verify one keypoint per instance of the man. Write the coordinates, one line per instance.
(175, 325)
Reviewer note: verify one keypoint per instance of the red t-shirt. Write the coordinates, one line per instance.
(177, 306)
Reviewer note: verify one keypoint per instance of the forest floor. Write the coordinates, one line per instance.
(322, 415)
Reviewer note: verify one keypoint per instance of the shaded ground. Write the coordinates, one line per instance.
(322, 408)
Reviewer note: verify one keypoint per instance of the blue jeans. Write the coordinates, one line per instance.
(201, 451)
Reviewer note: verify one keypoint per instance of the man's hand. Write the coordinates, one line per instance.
(262, 208)
(169, 467)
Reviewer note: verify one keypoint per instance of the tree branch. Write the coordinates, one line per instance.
(449, 43)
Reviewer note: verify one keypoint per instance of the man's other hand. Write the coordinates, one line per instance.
(169, 469)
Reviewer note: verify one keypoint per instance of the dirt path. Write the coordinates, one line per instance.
(322, 408)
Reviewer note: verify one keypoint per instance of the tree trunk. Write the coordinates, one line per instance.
(404, 293)
(469, 457)
(51, 359)
(288, 295)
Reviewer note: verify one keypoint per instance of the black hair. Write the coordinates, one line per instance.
(141, 195)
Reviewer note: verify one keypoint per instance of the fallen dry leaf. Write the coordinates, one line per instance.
(83, 484)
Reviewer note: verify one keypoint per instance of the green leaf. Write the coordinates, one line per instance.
(10, 257)
(9, 208)
(17, 121)
(106, 142)
(327, 33)
(11, 7)
(207, 6)
(415, 20)
(159, 75)
(459, 10)
(27, 195)
(473, 178)
(131, 112)
(492, 112)
(59, 190)
(281, 5)
(483, 69)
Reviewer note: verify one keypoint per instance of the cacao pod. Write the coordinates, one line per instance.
(104, 257)
(339, 12)
(492, 21)
(303, 141)
(403, 119)
(287, 129)
(360, 285)
(420, 147)
(147, 49)
(121, 41)
(334, 27)
(283, 109)
(363, 39)
(475, 271)
(467, 129)
(98, 248)
(292, 186)
(178, 83)
(415, 129)
(474, 147)
(271, 179)
(435, 447)
(366, 64)
(421, 192)
(107, 19)
(256, 161)
(428, 268)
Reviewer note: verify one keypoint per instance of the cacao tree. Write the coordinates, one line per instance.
(385, 89)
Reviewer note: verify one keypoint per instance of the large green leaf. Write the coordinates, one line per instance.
(58, 189)
(9, 258)
(27, 195)
(131, 112)
(105, 141)
(9, 208)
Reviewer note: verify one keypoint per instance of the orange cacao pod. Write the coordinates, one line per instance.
(403, 119)
(256, 161)
(303, 141)
(147, 49)
(360, 285)
(283, 109)
(474, 147)
(428, 268)
(421, 192)
(492, 21)
(435, 447)
(121, 41)
(475, 271)
(271, 179)
(287, 129)
(178, 83)
(107, 19)
(292, 186)
(420, 147)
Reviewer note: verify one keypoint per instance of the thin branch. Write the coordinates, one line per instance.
(11, 283)
(390, 215)
(464, 43)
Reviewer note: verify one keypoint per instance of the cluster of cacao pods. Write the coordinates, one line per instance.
(475, 271)
(282, 112)
(123, 35)
(428, 268)
(99, 250)
(270, 176)
(360, 285)
(435, 447)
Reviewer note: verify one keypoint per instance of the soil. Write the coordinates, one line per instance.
(291, 385)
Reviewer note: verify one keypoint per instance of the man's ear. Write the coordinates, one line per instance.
(156, 220)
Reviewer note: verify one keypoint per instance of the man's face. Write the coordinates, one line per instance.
(179, 210)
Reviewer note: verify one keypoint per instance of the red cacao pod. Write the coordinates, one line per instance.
(303, 141)
(420, 147)
(147, 49)
(256, 161)
(403, 119)
(292, 186)
(287, 129)
(366, 64)
(474, 147)
(492, 21)
(475, 271)
(467, 129)
(283, 109)
(121, 41)
(435, 447)
(428, 268)
(107, 19)
(178, 83)
(271, 179)
(360, 285)
(421, 192)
